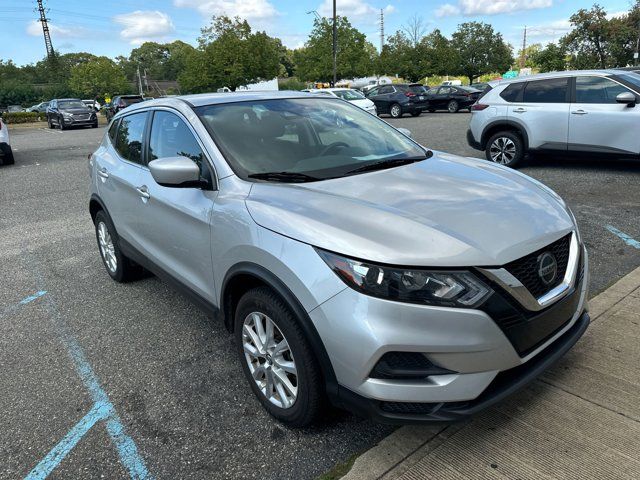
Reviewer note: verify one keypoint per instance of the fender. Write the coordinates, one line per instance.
(309, 329)
(507, 123)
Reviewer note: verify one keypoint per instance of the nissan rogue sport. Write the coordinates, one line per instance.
(351, 263)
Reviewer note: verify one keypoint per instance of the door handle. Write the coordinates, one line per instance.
(103, 173)
(520, 110)
(143, 192)
(579, 112)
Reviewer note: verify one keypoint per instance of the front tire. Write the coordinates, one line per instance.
(119, 267)
(505, 148)
(51, 126)
(277, 359)
(453, 106)
(395, 110)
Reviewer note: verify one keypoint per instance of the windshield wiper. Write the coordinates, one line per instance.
(284, 177)
(398, 162)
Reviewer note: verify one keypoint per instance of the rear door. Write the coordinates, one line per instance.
(118, 172)
(598, 123)
(442, 97)
(543, 108)
(174, 223)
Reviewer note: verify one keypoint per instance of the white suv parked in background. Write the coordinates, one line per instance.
(587, 112)
(6, 155)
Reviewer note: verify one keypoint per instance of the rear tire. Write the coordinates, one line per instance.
(7, 158)
(119, 267)
(453, 106)
(294, 396)
(395, 110)
(505, 148)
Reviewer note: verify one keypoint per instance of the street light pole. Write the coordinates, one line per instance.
(335, 45)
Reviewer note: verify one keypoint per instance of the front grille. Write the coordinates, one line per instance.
(526, 268)
(405, 408)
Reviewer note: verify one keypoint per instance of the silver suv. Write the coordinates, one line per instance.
(351, 263)
(585, 112)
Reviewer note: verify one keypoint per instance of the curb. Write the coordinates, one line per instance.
(406, 446)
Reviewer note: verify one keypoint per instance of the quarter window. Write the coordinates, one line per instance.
(597, 90)
(513, 92)
(129, 137)
(113, 129)
(553, 90)
(171, 137)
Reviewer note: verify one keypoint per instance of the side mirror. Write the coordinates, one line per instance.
(175, 172)
(627, 98)
(405, 132)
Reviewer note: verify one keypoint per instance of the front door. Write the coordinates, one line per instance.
(598, 123)
(175, 222)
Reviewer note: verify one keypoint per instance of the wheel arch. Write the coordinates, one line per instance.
(504, 125)
(95, 205)
(244, 276)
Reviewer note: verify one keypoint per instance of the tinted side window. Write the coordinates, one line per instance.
(171, 137)
(597, 90)
(513, 92)
(129, 137)
(546, 91)
(387, 89)
(112, 130)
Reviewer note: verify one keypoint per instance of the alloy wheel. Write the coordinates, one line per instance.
(270, 360)
(107, 249)
(503, 150)
(395, 111)
(453, 106)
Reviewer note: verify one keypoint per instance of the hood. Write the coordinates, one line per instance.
(446, 211)
(76, 110)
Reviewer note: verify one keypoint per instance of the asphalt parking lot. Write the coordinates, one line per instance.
(174, 401)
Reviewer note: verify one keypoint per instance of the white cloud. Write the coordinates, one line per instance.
(620, 14)
(447, 10)
(34, 29)
(495, 7)
(141, 26)
(250, 10)
(359, 10)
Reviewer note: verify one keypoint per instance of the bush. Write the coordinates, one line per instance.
(23, 117)
(291, 83)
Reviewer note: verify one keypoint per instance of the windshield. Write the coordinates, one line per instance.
(348, 94)
(71, 104)
(130, 100)
(318, 137)
(632, 78)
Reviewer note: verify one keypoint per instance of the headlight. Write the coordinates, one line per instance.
(460, 289)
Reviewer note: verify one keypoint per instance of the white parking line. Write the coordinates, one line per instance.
(48, 130)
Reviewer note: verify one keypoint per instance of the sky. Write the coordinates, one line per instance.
(114, 27)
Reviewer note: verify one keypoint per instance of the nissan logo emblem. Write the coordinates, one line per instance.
(547, 268)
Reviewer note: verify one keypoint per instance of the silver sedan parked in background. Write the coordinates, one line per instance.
(351, 263)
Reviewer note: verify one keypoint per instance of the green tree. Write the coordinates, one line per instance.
(356, 56)
(530, 54)
(97, 77)
(552, 58)
(588, 42)
(401, 57)
(229, 55)
(479, 50)
(161, 61)
(437, 56)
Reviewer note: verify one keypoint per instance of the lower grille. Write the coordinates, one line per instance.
(526, 268)
(405, 408)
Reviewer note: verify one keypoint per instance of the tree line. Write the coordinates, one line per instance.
(230, 53)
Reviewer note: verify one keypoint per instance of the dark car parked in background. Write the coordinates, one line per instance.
(70, 112)
(120, 103)
(398, 99)
(451, 98)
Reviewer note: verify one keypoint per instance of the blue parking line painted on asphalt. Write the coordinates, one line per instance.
(33, 297)
(100, 411)
(625, 238)
(125, 446)
(22, 302)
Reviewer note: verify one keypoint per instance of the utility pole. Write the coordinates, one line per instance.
(45, 30)
(140, 82)
(381, 29)
(523, 56)
(637, 52)
(335, 46)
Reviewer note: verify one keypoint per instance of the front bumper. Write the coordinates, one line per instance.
(476, 354)
(76, 122)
